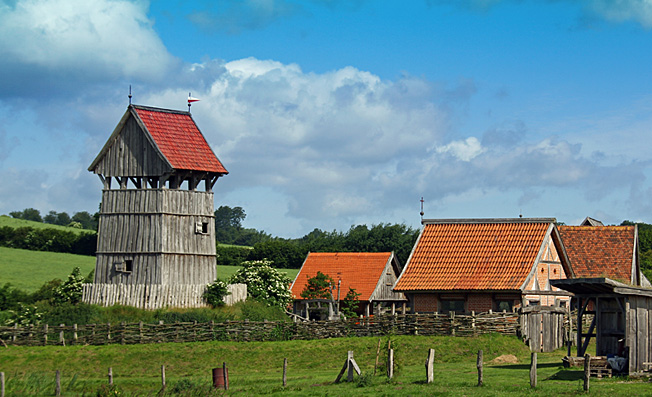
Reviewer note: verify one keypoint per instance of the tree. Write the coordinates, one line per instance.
(264, 283)
(318, 287)
(228, 222)
(350, 303)
(86, 219)
(28, 214)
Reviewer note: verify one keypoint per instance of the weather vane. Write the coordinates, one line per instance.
(191, 99)
(130, 94)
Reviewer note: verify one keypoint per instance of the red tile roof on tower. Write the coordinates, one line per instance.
(179, 139)
(358, 270)
(474, 255)
(601, 251)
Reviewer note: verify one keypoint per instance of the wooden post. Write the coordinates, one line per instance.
(285, 372)
(430, 371)
(14, 336)
(349, 366)
(226, 376)
(349, 372)
(587, 370)
(2, 384)
(377, 355)
(480, 369)
(61, 337)
(57, 385)
(533, 370)
(74, 333)
(390, 363)
(110, 376)
(124, 331)
(45, 334)
(162, 377)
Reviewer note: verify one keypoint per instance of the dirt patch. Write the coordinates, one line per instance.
(505, 359)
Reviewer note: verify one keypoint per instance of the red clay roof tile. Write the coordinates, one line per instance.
(179, 139)
(473, 256)
(600, 251)
(358, 270)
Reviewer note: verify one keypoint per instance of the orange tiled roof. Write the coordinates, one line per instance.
(179, 139)
(358, 270)
(600, 251)
(473, 255)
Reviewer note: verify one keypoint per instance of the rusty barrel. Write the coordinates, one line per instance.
(221, 378)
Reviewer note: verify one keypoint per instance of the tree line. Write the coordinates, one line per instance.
(80, 220)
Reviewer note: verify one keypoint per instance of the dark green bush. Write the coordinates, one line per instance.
(230, 255)
(68, 313)
(254, 310)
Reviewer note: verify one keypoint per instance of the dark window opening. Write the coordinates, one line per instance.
(129, 265)
(533, 303)
(449, 305)
(504, 305)
(204, 227)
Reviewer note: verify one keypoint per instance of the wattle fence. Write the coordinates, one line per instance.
(135, 333)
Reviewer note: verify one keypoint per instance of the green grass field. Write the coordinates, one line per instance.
(6, 220)
(256, 368)
(29, 270)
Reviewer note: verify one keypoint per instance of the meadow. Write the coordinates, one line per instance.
(6, 220)
(29, 270)
(255, 368)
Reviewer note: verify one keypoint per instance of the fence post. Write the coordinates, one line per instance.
(2, 384)
(110, 376)
(533, 370)
(587, 371)
(62, 340)
(14, 336)
(45, 335)
(162, 377)
(377, 355)
(74, 333)
(430, 372)
(480, 369)
(225, 373)
(57, 387)
(390, 363)
(285, 372)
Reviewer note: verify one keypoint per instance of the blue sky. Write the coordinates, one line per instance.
(330, 113)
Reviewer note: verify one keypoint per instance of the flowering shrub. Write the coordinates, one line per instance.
(71, 290)
(215, 293)
(264, 283)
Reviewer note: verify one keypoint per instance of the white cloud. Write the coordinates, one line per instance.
(61, 41)
(465, 150)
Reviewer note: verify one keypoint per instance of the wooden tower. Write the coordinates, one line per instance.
(157, 231)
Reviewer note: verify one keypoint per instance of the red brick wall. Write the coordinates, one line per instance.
(425, 302)
(479, 303)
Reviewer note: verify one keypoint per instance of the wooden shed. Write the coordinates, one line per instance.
(371, 274)
(622, 319)
(156, 238)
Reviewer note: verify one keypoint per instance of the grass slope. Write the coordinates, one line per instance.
(16, 223)
(29, 270)
(256, 367)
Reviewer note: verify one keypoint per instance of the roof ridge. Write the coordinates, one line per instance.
(487, 220)
(160, 110)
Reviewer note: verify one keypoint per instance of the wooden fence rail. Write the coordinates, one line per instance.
(134, 333)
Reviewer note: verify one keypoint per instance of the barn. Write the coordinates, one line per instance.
(156, 238)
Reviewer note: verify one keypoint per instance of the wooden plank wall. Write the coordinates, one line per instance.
(237, 293)
(384, 289)
(543, 328)
(145, 296)
(156, 229)
(638, 332)
(131, 155)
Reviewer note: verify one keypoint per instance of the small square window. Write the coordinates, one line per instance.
(201, 227)
(456, 306)
(129, 265)
(504, 305)
(124, 267)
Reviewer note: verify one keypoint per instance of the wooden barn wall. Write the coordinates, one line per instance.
(611, 326)
(131, 155)
(639, 325)
(384, 289)
(156, 229)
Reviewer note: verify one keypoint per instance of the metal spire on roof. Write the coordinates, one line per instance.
(129, 94)
(421, 213)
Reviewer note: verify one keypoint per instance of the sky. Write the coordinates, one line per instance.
(330, 113)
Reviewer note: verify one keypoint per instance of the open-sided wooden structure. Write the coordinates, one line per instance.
(622, 321)
(156, 219)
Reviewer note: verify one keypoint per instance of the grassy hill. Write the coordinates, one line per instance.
(6, 220)
(28, 270)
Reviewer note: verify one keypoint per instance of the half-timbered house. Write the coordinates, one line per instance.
(466, 265)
